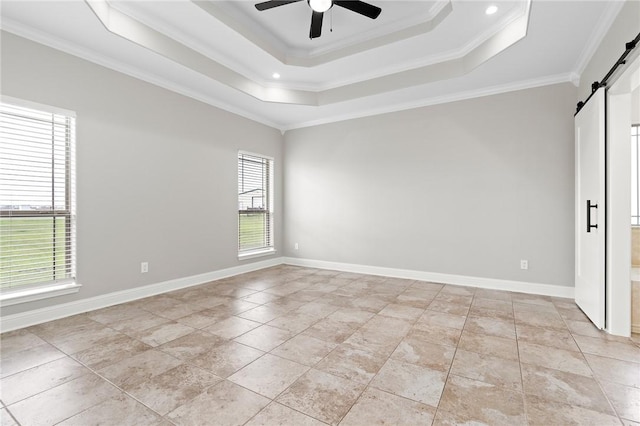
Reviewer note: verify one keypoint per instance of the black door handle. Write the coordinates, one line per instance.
(589, 207)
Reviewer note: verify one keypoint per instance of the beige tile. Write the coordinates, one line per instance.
(294, 322)
(540, 319)
(61, 402)
(115, 313)
(491, 326)
(162, 333)
(173, 388)
(484, 293)
(559, 359)
(226, 402)
(18, 340)
(331, 330)
(278, 414)
(84, 337)
(614, 370)
(420, 352)
(566, 388)
(58, 329)
(477, 311)
(428, 286)
(110, 350)
(141, 322)
(440, 319)
(542, 412)
(322, 396)
(6, 419)
(411, 381)
(458, 290)
(269, 375)
(225, 359)
(495, 305)
(369, 303)
(265, 313)
(20, 360)
(584, 328)
(192, 345)
(533, 299)
(304, 349)
(448, 307)
(351, 317)
(401, 311)
(416, 297)
(265, 337)
(232, 327)
(139, 368)
(168, 307)
(376, 407)
(436, 334)
(546, 337)
(488, 369)
(457, 299)
(120, 410)
(353, 363)
(261, 298)
(608, 348)
(38, 379)
(574, 314)
(474, 402)
(500, 347)
(207, 317)
(625, 399)
(317, 309)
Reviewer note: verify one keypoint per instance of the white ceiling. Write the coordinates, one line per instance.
(416, 53)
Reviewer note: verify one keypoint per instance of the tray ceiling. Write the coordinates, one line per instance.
(416, 53)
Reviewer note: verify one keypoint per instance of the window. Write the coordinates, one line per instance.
(635, 175)
(37, 199)
(255, 204)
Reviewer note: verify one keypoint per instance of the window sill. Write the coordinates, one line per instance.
(257, 253)
(31, 294)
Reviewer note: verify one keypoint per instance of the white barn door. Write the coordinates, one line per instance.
(590, 209)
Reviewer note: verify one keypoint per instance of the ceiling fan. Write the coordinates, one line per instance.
(318, 8)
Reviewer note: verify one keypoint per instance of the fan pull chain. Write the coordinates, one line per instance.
(331, 20)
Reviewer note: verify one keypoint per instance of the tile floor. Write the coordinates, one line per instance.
(300, 346)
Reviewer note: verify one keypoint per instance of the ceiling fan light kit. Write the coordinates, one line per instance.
(318, 7)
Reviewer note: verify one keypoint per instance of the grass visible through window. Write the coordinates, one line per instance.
(27, 250)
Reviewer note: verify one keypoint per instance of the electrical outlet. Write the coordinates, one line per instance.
(524, 264)
(144, 267)
(295, 246)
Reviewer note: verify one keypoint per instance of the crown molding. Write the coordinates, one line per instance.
(454, 97)
(91, 56)
(598, 34)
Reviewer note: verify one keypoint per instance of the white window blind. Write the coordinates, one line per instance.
(255, 203)
(37, 197)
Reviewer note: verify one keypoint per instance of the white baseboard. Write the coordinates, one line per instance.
(488, 283)
(38, 316)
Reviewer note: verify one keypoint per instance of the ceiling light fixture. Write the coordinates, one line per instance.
(320, 5)
(491, 9)
(275, 75)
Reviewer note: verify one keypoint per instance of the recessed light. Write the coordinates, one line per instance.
(491, 9)
(275, 75)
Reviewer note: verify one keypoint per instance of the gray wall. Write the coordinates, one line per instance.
(156, 171)
(466, 188)
(624, 29)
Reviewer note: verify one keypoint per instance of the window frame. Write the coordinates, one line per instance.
(269, 248)
(56, 287)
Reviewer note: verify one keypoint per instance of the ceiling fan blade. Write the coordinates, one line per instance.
(366, 9)
(273, 3)
(316, 24)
